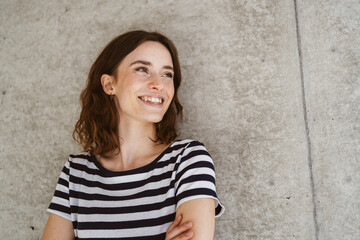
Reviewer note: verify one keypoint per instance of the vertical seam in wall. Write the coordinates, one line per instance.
(308, 140)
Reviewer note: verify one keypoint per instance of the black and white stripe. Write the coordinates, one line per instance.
(135, 204)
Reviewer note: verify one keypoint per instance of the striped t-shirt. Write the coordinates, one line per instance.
(135, 204)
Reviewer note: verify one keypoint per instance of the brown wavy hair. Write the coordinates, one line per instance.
(97, 128)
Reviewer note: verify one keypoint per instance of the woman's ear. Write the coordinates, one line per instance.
(107, 82)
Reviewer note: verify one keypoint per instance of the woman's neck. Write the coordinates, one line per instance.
(136, 146)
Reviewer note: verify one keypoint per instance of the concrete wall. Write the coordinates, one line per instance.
(271, 87)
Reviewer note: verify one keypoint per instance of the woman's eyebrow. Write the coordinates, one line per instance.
(168, 67)
(141, 62)
(147, 63)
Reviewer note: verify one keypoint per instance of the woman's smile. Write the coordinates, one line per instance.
(152, 100)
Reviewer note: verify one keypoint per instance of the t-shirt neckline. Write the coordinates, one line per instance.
(141, 169)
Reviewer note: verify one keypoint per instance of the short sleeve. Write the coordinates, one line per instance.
(195, 176)
(60, 204)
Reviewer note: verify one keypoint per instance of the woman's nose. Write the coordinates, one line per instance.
(155, 83)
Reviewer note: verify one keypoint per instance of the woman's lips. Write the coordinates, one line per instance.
(158, 100)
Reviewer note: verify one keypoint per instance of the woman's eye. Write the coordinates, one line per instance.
(169, 75)
(142, 69)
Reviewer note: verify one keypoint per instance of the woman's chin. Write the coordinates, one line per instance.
(154, 118)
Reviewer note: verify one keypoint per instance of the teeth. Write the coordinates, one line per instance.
(152, 100)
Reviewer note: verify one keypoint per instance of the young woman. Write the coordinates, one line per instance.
(134, 180)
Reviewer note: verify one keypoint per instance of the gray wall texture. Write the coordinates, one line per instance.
(271, 88)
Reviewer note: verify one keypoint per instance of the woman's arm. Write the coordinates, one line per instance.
(178, 230)
(201, 213)
(58, 228)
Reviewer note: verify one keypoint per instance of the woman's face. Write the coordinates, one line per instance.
(144, 86)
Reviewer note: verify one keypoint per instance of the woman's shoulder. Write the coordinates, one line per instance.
(83, 161)
(185, 143)
(190, 147)
(82, 158)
